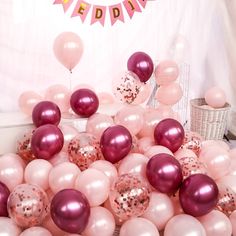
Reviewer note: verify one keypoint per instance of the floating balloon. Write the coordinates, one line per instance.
(142, 65)
(215, 97)
(68, 49)
(84, 102)
(4, 194)
(27, 205)
(70, 210)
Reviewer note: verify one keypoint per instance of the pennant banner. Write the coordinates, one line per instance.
(131, 7)
(116, 13)
(98, 14)
(81, 10)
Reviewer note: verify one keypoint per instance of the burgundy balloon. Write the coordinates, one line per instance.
(164, 173)
(84, 102)
(198, 195)
(115, 143)
(142, 65)
(70, 211)
(169, 133)
(4, 194)
(46, 112)
(47, 140)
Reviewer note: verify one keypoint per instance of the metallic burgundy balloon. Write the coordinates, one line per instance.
(115, 143)
(198, 195)
(84, 102)
(47, 140)
(4, 194)
(169, 133)
(46, 112)
(164, 173)
(70, 210)
(142, 65)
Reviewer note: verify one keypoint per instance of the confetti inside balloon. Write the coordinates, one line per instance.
(129, 196)
(28, 205)
(83, 150)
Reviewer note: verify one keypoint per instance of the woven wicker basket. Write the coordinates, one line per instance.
(209, 123)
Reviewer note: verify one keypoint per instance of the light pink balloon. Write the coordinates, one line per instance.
(11, 170)
(228, 180)
(105, 98)
(59, 158)
(160, 210)
(52, 227)
(107, 168)
(232, 168)
(37, 172)
(233, 222)
(68, 49)
(165, 110)
(63, 176)
(223, 144)
(133, 163)
(169, 94)
(94, 185)
(138, 227)
(215, 97)
(216, 160)
(97, 123)
(184, 152)
(101, 223)
(131, 117)
(145, 143)
(157, 149)
(28, 100)
(36, 231)
(184, 225)
(232, 153)
(166, 72)
(216, 223)
(8, 227)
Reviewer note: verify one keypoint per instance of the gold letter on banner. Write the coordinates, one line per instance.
(99, 13)
(116, 12)
(131, 4)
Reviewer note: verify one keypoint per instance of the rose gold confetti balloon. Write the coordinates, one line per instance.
(24, 147)
(129, 196)
(191, 165)
(192, 141)
(27, 205)
(84, 149)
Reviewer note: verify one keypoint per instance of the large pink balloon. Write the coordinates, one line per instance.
(8, 227)
(215, 97)
(68, 49)
(36, 231)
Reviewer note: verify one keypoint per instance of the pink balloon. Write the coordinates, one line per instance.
(105, 98)
(165, 110)
(216, 223)
(157, 149)
(8, 227)
(215, 97)
(160, 210)
(233, 222)
(107, 168)
(28, 100)
(232, 168)
(59, 158)
(60, 95)
(133, 163)
(11, 170)
(232, 153)
(94, 185)
(139, 227)
(36, 231)
(131, 117)
(97, 124)
(62, 176)
(37, 172)
(166, 72)
(183, 152)
(169, 94)
(68, 49)
(183, 225)
(49, 224)
(229, 181)
(144, 144)
(101, 223)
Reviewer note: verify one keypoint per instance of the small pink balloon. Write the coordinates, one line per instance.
(183, 152)
(98, 123)
(215, 97)
(144, 144)
(94, 185)
(101, 223)
(228, 181)
(160, 210)
(107, 168)
(36, 231)
(233, 222)
(60, 95)
(28, 100)
(216, 223)
(59, 158)
(138, 227)
(62, 176)
(8, 227)
(11, 170)
(131, 117)
(133, 163)
(183, 225)
(105, 98)
(166, 72)
(37, 172)
(169, 94)
(49, 224)
(157, 149)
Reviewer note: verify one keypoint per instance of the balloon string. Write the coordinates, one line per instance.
(70, 81)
